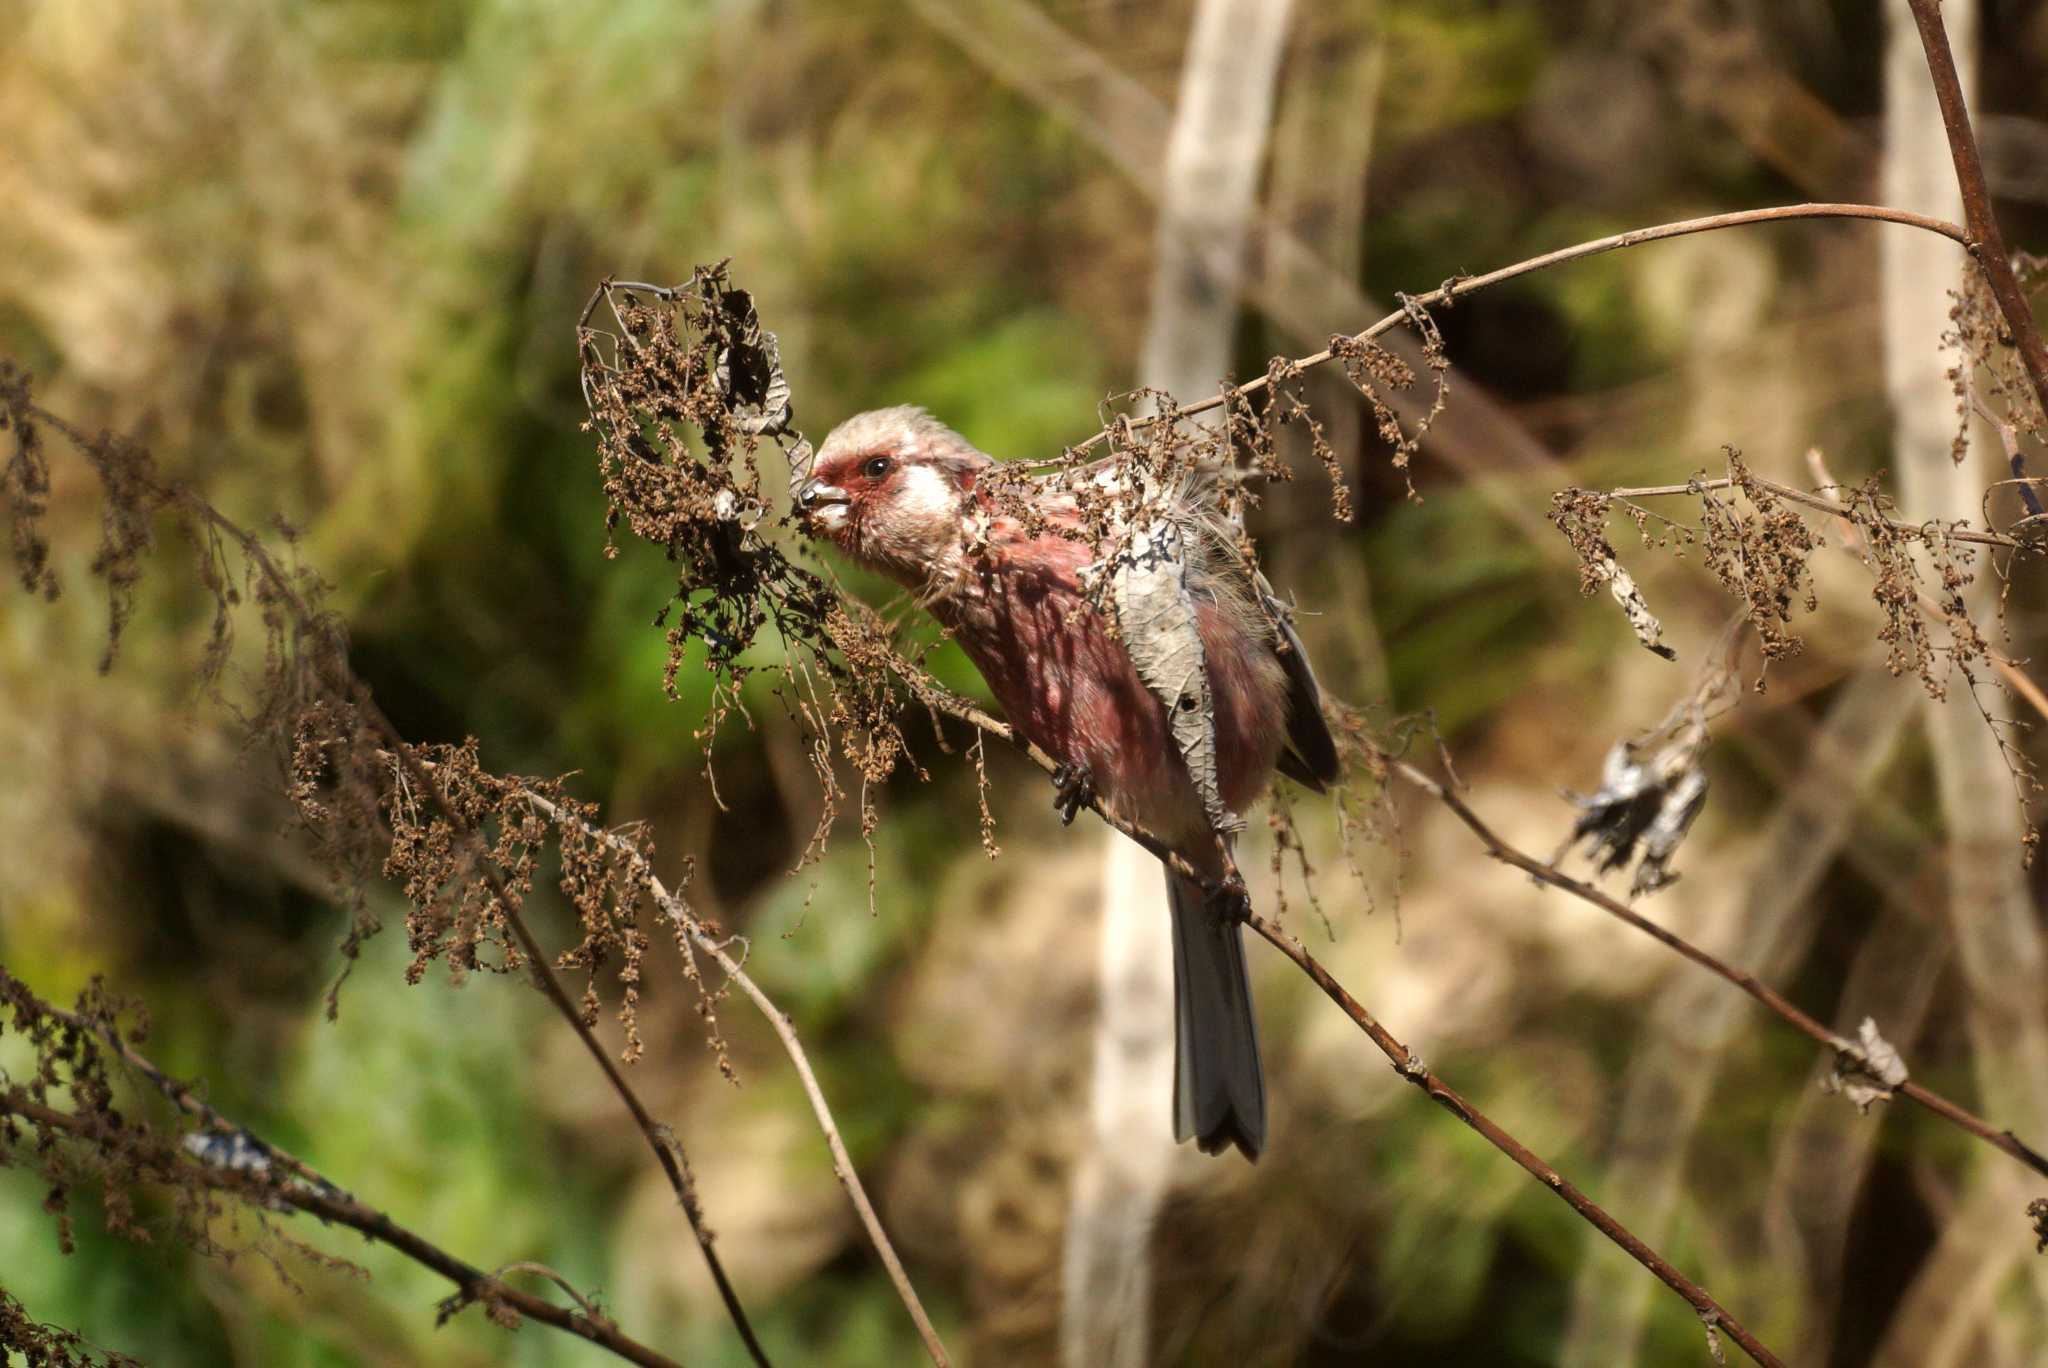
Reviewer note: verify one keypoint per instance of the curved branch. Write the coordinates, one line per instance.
(1987, 243)
(1404, 1062)
(842, 1164)
(338, 677)
(1410, 1066)
(330, 1204)
(1459, 286)
(1748, 983)
(1793, 494)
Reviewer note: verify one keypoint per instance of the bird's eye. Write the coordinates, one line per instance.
(876, 468)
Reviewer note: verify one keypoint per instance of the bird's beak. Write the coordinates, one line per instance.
(823, 506)
(812, 495)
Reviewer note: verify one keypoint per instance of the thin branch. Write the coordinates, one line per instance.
(1748, 983)
(1963, 1118)
(842, 1164)
(660, 1138)
(1985, 242)
(2016, 679)
(1410, 1066)
(541, 1270)
(346, 684)
(331, 1204)
(1796, 495)
(1459, 286)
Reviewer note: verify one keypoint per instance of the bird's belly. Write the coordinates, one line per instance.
(1068, 686)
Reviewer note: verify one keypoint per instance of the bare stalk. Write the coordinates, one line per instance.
(1793, 494)
(1459, 286)
(2004, 1140)
(1957, 1115)
(842, 1164)
(1410, 1066)
(1984, 242)
(1547, 873)
(2016, 679)
(321, 1199)
(660, 1139)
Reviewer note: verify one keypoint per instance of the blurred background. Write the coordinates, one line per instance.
(326, 259)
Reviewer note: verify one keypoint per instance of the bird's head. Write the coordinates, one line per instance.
(893, 488)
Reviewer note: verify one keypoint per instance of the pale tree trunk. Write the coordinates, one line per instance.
(1950, 1314)
(1213, 157)
(1305, 294)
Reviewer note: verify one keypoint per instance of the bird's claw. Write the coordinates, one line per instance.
(1231, 902)
(1073, 789)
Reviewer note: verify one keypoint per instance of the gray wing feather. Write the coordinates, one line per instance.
(1310, 758)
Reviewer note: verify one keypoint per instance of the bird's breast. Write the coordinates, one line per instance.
(1067, 684)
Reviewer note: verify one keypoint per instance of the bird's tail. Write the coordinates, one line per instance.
(1219, 1091)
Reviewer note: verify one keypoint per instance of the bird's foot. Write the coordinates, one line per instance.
(1230, 901)
(1073, 788)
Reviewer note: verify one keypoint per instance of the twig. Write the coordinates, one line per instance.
(541, 1270)
(660, 1138)
(2016, 678)
(1411, 1067)
(330, 1204)
(1459, 286)
(1796, 495)
(347, 685)
(1985, 242)
(1959, 1116)
(1408, 1065)
(1770, 998)
(842, 1164)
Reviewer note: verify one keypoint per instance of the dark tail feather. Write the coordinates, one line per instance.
(1219, 1091)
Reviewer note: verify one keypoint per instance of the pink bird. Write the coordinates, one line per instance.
(897, 491)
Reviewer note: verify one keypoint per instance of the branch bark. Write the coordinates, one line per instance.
(1931, 163)
(1716, 1319)
(1411, 1067)
(1459, 286)
(1764, 918)
(344, 684)
(328, 1203)
(842, 1164)
(1748, 983)
(1986, 242)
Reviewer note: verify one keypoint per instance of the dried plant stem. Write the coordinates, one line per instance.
(842, 1164)
(2016, 679)
(346, 685)
(1458, 286)
(1984, 242)
(1410, 1066)
(668, 1152)
(1934, 1102)
(1792, 494)
(1407, 1064)
(472, 1283)
(1770, 998)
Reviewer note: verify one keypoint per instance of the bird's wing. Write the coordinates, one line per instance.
(1310, 757)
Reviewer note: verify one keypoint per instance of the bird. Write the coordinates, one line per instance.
(899, 492)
